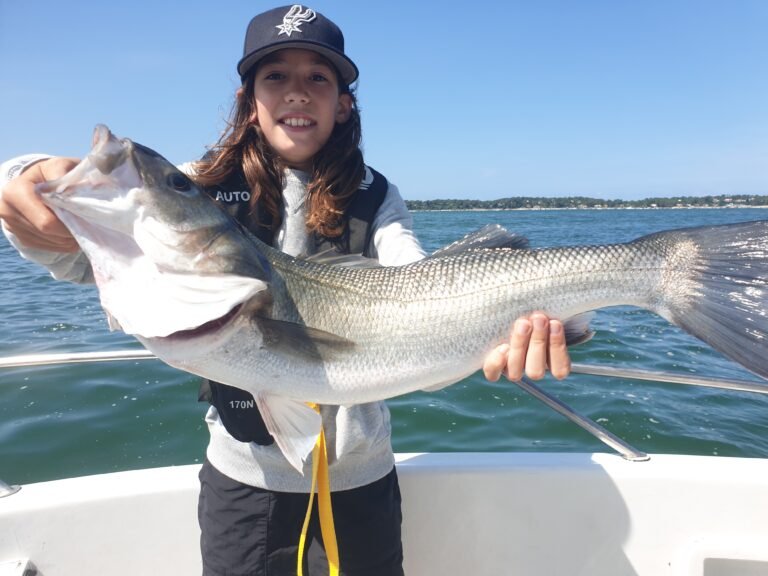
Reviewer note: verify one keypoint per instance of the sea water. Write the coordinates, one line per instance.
(69, 420)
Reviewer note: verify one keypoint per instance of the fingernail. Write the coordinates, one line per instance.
(522, 327)
(555, 328)
(539, 323)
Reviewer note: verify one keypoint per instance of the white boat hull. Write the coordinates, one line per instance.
(479, 514)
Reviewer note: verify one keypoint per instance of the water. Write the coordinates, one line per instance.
(72, 420)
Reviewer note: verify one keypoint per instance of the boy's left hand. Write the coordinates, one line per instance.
(536, 343)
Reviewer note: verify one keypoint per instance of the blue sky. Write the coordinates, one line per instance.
(611, 99)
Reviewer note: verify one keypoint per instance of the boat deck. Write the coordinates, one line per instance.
(480, 514)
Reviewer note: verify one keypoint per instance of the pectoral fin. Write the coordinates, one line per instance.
(578, 330)
(298, 340)
(112, 322)
(293, 424)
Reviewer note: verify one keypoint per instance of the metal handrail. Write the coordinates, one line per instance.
(670, 378)
(26, 360)
(627, 451)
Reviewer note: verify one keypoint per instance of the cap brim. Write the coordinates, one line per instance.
(344, 65)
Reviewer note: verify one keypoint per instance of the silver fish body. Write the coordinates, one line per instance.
(301, 330)
(381, 332)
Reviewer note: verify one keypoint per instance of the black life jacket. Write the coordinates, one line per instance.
(236, 407)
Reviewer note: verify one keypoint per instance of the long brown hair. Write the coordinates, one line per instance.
(242, 149)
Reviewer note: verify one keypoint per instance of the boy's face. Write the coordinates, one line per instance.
(298, 104)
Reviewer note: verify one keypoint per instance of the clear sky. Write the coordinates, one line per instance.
(610, 98)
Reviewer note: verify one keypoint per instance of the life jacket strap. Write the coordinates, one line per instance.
(321, 484)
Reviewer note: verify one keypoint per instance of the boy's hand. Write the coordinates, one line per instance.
(536, 343)
(26, 216)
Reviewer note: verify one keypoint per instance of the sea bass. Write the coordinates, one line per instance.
(196, 289)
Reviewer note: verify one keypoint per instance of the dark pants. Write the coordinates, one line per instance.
(248, 531)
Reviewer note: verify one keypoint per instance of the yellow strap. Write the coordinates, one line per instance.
(321, 482)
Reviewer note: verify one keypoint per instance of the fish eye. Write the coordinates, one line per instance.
(179, 182)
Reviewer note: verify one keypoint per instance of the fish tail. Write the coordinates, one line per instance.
(715, 285)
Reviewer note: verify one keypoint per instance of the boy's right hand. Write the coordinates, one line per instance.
(27, 217)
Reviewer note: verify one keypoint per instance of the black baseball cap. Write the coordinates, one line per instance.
(295, 26)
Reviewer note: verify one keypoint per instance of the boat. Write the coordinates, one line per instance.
(553, 514)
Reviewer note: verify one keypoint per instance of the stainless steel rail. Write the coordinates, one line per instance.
(626, 451)
(587, 369)
(73, 358)
(669, 378)
(585, 423)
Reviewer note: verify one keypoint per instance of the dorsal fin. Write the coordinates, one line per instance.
(489, 236)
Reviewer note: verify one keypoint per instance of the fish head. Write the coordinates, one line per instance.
(124, 188)
(164, 256)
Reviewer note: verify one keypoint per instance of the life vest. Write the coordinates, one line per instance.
(236, 407)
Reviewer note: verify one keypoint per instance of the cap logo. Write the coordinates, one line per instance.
(295, 17)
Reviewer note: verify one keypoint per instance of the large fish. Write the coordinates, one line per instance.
(202, 294)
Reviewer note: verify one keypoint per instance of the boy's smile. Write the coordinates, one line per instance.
(298, 103)
(297, 122)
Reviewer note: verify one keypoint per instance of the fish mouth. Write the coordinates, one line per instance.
(107, 169)
(208, 328)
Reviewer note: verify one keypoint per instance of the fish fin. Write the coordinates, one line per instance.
(299, 340)
(294, 425)
(577, 329)
(717, 287)
(489, 236)
(332, 258)
(112, 322)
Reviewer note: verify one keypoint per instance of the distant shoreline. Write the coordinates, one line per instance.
(740, 207)
(589, 203)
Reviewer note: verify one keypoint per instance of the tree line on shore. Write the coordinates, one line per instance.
(581, 202)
